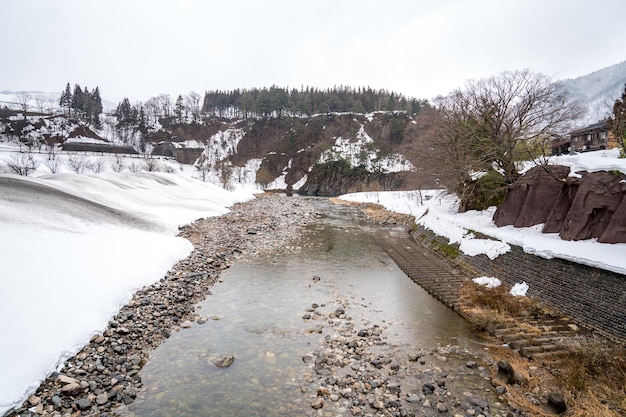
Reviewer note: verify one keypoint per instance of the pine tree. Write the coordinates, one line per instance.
(96, 107)
(124, 113)
(617, 122)
(65, 101)
(78, 100)
(179, 109)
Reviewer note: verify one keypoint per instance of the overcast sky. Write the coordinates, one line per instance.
(420, 48)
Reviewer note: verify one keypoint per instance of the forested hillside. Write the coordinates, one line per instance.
(318, 142)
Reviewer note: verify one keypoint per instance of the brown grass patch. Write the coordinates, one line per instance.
(591, 376)
(594, 373)
(499, 300)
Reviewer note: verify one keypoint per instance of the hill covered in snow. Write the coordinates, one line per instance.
(598, 91)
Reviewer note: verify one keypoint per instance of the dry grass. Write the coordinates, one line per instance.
(591, 376)
(498, 301)
(597, 399)
(594, 373)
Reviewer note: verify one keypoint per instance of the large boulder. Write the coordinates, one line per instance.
(531, 199)
(585, 206)
(595, 202)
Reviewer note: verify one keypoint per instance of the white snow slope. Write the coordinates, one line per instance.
(73, 250)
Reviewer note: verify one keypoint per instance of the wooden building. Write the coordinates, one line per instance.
(594, 137)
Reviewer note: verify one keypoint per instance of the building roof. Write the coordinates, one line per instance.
(596, 126)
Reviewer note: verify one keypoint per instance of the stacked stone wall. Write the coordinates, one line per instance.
(595, 298)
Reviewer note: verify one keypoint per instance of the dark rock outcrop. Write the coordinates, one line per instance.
(530, 200)
(591, 205)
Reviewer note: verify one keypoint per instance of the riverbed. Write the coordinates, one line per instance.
(324, 324)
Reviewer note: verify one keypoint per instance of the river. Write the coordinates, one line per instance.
(272, 311)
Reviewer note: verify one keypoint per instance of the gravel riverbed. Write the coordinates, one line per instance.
(352, 372)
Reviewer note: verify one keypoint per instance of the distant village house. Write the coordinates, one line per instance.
(594, 137)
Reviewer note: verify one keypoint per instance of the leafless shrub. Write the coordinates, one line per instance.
(54, 164)
(225, 172)
(204, 167)
(96, 166)
(23, 163)
(78, 164)
(136, 167)
(118, 166)
(152, 165)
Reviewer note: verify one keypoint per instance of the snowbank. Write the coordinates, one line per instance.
(74, 250)
(438, 211)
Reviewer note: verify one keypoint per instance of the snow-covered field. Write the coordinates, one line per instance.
(74, 248)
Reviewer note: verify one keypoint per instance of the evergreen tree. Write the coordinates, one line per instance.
(264, 103)
(617, 122)
(78, 100)
(279, 100)
(65, 101)
(96, 107)
(247, 104)
(124, 114)
(179, 109)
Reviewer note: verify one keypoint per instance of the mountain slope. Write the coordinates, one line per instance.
(598, 90)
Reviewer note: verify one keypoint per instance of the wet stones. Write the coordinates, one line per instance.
(222, 361)
(356, 370)
(104, 375)
(508, 375)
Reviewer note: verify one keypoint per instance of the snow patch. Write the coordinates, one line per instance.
(519, 290)
(489, 282)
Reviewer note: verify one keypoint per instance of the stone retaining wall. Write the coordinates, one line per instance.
(595, 298)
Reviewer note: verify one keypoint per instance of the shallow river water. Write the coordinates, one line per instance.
(255, 313)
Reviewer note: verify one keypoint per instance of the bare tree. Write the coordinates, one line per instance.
(151, 164)
(617, 122)
(23, 163)
(192, 102)
(43, 105)
(118, 166)
(164, 102)
(484, 125)
(153, 109)
(108, 126)
(53, 162)
(136, 166)
(225, 172)
(203, 165)
(96, 166)
(78, 164)
(23, 99)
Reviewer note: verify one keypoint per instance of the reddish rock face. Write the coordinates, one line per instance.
(592, 206)
(530, 200)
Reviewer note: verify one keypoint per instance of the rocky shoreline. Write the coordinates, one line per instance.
(354, 372)
(105, 373)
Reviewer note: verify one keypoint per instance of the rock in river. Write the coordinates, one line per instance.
(222, 361)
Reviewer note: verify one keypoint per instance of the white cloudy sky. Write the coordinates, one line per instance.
(420, 48)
